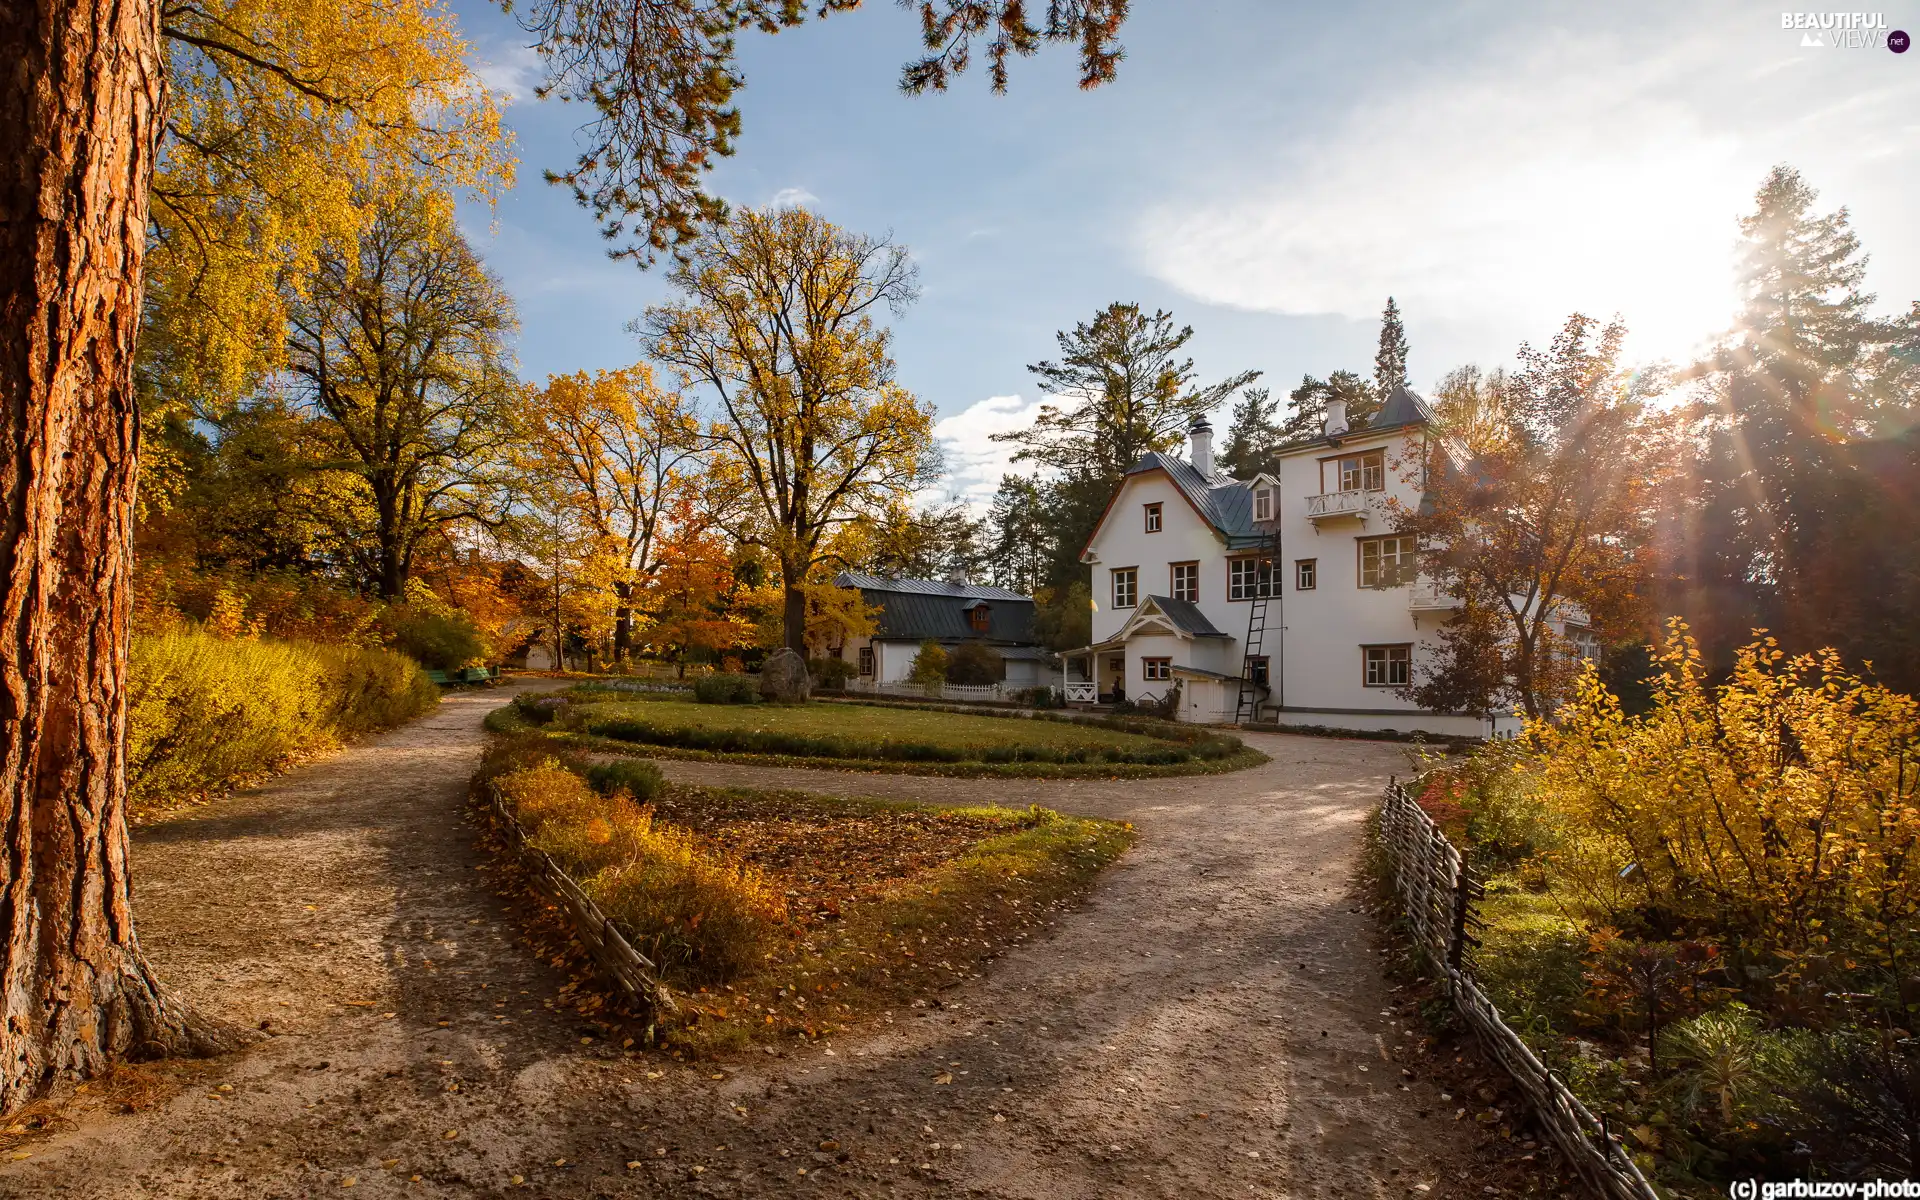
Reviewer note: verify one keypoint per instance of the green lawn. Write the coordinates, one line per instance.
(868, 725)
(889, 738)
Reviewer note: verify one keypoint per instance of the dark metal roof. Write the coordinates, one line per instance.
(1186, 616)
(1226, 504)
(915, 616)
(1402, 408)
(925, 587)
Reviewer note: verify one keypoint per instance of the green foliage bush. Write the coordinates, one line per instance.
(725, 689)
(438, 639)
(830, 674)
(640, 780)
(1045, 696)
(539, 708)
(975, 664)
(929, 665)
(205, 713)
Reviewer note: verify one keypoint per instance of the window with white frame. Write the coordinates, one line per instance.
(1306, 574)
(1387, 666)
(1153, 518)
(1126, 587)
(1263, 504)
(866, 660)
(1156, 670)
(1364, 472)
(1259, 671)
(1387, 561)
(1583, 644)
(1186, 580)
(1249, 577)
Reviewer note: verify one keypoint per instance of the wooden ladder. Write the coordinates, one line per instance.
(1247, 707)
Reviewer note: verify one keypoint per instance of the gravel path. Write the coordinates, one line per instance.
(1209, 1025)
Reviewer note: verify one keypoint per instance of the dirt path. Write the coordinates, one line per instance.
(1209, 1025)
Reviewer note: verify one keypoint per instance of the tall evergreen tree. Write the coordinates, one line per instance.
(1020, 534)
(1390, 360)
(1253, 436)
(1793, 525)
(1123, 389)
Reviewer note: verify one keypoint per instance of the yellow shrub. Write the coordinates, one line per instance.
(1780, 811)
(699, 914)
(205, 712)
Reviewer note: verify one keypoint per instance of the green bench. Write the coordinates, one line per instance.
(465, 675)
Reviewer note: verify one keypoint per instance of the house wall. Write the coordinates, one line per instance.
(1326, 627)
(1411, 722)
(1143, 646)
(1314, 638)
(893, 661)
(1184, 536)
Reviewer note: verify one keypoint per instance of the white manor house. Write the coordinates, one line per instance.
(1298, 583)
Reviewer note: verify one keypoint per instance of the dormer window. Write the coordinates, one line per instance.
(1263, 504)
(977, 617)
(1153, 518)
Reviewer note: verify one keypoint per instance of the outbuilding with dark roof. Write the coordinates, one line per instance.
(909, 612)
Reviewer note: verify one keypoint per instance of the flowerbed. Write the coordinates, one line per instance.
(785, 914)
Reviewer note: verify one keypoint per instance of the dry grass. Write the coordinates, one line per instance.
(852, 907)
(698, 913)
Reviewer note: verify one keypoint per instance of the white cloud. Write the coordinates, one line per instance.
(511, 72)
(1503, 196)
(793, 197)
(975, 463)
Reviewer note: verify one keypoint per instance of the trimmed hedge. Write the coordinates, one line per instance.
(725, 689)
(206, 713)
(639, 779)
(753, 741)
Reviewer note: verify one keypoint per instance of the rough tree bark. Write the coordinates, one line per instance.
(81, 89)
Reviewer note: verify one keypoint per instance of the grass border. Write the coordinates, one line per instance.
(1172, 731)
(1240, 760)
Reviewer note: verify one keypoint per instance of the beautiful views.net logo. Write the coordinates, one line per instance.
(1845, 31)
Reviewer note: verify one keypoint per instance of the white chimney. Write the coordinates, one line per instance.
(1336, 416)
(1200, 441)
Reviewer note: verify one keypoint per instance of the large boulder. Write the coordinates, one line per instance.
(783, 678)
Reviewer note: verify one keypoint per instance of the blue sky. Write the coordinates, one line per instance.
(1269, 173)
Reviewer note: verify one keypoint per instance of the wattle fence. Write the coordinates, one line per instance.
(1437, 895)
(632, 970)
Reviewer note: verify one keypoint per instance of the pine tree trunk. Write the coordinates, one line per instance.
(80, 102)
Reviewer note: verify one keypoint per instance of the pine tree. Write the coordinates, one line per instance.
(1252, 436)
(1783, 389)
(1390, 361)
(1307, 404)
(1123, 390)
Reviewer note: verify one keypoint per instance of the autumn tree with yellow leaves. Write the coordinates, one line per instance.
(779, 322)
(1536, 504)
(688, 603)
(618, 447)
(1777, 814)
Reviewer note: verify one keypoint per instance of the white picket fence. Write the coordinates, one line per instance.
(962, 693)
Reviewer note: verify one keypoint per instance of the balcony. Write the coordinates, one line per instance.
(1331, 506)
(1424, 595)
